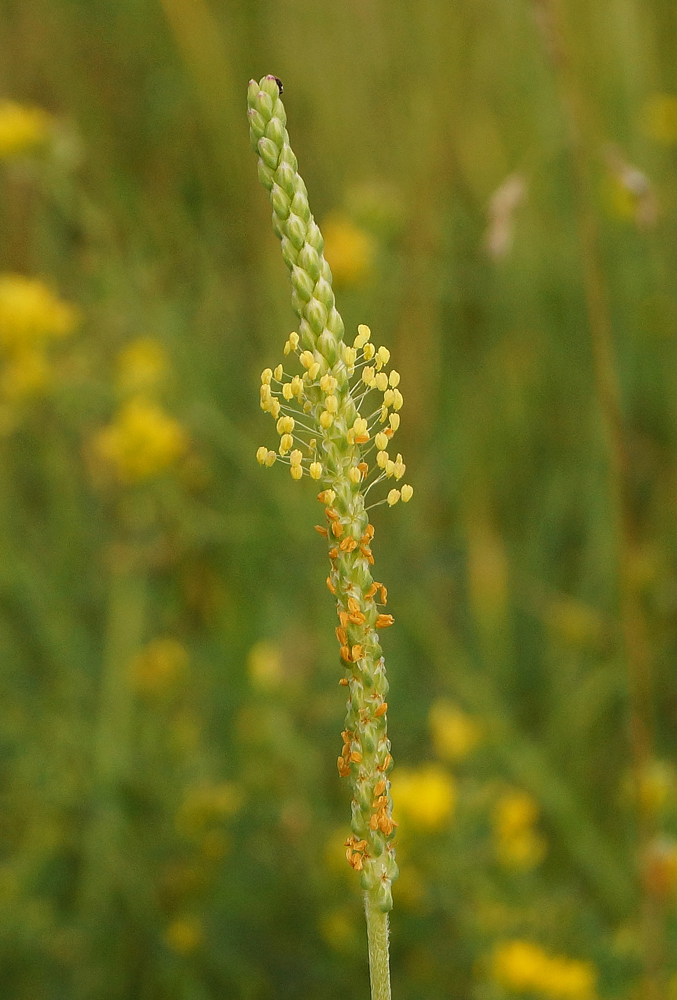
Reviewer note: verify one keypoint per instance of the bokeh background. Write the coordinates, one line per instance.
(496, 182)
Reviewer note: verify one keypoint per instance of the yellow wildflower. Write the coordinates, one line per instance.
(25, 374)
(207, 803)
(142, 442)
(184, 935)
(455, 734)
(659, 118)
(522, 966)
(31, 314)
(264, 666)
(337, 928)
(141, 365)
(349, 250)
(22, 128)
(517, 843)
(158, 666)
(425, 797)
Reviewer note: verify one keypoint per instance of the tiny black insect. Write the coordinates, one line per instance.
(278, 81)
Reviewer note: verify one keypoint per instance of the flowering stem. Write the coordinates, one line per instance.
(327, 398)
(377, 936)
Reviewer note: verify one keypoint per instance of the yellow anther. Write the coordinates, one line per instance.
(296, 471)
(314, 369)
(261, 454)
(407, 493)
(349, 356)
(400, 467)
(326, 419)
(360, 425)
(315, 470)
(384, 414)
(287, 348)
(307, 359)
(399, 399)
(287, 391)
(266, 376)
(273, 408)
(384, 354)
(265, 391)
(394, 378)
(312, 444)
(394, 420)
(286, 442)
(328, 383)
(297, 385)
(350, 437)
(382, 458)
(294, 340)
(327, 496)
(393, 497)
(270, 459)
(368, 375)
(363, 335)
(278, 373)
(390, 468)
(381, 440)
(331, 403)
(285, 425)
(296, 457)
(381, 381)
(369, 351)
(389, 397)
(354, 474)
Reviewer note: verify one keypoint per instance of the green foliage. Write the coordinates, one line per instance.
(171, 819)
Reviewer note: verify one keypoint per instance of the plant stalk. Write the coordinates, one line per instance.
(377, 937)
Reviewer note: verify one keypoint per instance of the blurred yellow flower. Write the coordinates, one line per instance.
(264, 666)
(142, 442)
(207, 803)
(25, 374)
(158, 666)
(184, 935)
(659, 118)
(575, 622)
(349, 250)
(521, 966)
(337, 928)
(424, 797)
(31, 314)
(141, 365)
(516, 843)
(455, 734)
(22, 128)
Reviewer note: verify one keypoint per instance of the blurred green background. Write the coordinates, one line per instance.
(171, 818)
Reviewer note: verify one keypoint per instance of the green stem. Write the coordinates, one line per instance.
(377, 937)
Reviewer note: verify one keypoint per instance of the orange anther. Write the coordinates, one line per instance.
(384, 595)
(343, 767)
(357, 619)
(337, 528)
(384, 621)
(356, 653)
(370, 531)
(341, 636)
(356, 757)
(382, 709)
(332, 514)
(344, 618)
(345, 653)
(372, 590)
(321, 530)
(333, 553)
(344, 682)
(331, 585)
(361, 439)
(348, 544)
(379, 787)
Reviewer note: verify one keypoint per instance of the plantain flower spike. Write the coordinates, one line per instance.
(342, 412)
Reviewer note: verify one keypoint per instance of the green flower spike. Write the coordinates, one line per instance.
(336, 418)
